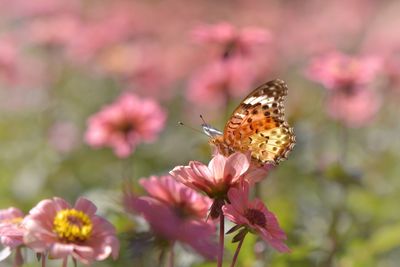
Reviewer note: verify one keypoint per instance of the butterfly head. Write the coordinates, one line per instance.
(211, 131)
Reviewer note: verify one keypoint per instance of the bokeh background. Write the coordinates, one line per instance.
(337, 196)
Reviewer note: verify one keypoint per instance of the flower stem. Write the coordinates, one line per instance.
(221, 239)
(237, 251)
(171, 257)
(18, 260)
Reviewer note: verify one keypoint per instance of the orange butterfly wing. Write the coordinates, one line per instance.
(258, 125)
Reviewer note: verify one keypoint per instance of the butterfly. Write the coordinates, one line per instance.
(258, 126)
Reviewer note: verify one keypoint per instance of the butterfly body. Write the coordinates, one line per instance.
(257, 125)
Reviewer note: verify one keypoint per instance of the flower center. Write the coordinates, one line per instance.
(256, 217)
(72, 225)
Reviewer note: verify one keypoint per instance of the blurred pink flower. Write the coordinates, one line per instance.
(110, 26)
(11, 231)
(53, 30)
(63, 136)
(339, 71)
(233, 40)
(254, 216)
(354, 110)
(142, 65)
(220, 175)
(125, 123)
(8, 60)
(56, 228)
(218, 82)
(175, 212)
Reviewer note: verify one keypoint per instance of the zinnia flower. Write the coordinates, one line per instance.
(56, 228)
(125, 123)
(338, 71)
(175, 213)
(220, 175)
(11, 233)
(254, 217)
(348, 79)
(219, 81)
(231, 38)
(354, 110)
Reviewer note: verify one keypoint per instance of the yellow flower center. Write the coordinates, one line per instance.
(72, 225)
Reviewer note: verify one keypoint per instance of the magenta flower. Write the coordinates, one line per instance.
(231, 38)
(219, 81)
(55, 228)
(339, 71)
(254, 217)
(125, 123)
(175, 212)
(220, 175)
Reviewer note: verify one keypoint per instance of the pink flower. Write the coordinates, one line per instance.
(232, 40)
(218, 82)
(53, 30)
(56, 228)
(220, 175)
(339, 71)
(9, 65)
(125, 123)
(254, 216)
(354, 110)
(11, 231)
(175, 212)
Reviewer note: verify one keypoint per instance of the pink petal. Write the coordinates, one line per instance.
(86, 206)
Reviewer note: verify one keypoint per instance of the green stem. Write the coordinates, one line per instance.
(237, 251)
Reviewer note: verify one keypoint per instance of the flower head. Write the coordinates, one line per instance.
(219, 81)
(254, 216)
(55, 227)
(231, 38)
(125, 123)
(175, 212)
(339, 71)
(354, 110)
(11, 231)
(220, 175)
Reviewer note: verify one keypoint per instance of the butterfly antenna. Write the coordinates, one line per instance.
(202, 118)
(190, 127)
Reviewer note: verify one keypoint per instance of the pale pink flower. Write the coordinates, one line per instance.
(125, 123)
(354, 110)
(220, 175)
(233, 40)
(254, 216)
(111, 26)
(11, 231)
(216, 83)
(8, 60)
(56, 228)
(53, 30)
(175, 212)
(339, 71)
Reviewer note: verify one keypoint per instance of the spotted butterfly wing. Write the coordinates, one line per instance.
(258, 125)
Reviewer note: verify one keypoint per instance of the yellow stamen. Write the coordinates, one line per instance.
(72, 225)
